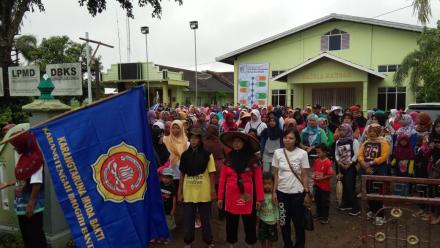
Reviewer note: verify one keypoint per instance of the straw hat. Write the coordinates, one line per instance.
(228, 137)
(245, 114)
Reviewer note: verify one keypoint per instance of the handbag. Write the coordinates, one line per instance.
(308, 217)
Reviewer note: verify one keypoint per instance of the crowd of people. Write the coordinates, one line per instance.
(267, 165)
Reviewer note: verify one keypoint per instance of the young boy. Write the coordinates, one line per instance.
(322, 172)
(168, 196)
(268, 213)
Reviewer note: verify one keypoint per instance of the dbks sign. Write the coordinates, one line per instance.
(67, 79)
(24, 80)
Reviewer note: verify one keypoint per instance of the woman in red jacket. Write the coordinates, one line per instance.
(239, 177)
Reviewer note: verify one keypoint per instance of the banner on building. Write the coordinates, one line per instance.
(2, 93)
(102, 165)
(253, 83)
(24, 80)
(67, 79)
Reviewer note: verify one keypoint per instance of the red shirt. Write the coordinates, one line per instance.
(323, 168)
(235, 202)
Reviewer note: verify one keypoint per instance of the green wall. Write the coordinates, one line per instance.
(370, 46)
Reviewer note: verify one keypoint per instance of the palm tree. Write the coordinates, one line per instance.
(423, 10)
(27, 46)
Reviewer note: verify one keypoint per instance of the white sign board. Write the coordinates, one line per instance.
(253, 82)
(24, 80)
(2, 93)
(67, 79)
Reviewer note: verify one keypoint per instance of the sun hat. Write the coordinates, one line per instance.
(228, 137)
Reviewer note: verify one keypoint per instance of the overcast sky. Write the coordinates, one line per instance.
(224, 25)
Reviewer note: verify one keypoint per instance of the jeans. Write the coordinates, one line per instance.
(322, 200)
(32, 230)
(349, 198)
(189, 218)
(292, 209)
(249, 224)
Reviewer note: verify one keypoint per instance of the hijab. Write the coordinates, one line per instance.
(378, 130)
(424, 124)
(258, 124)
(407, 126)
(289, 122)
(161, 150)
(212, 143)
(348, 133)
(312, 133)
(404, 152)
(229, 124)
(176, 144)
(239, 161)
(273, 133)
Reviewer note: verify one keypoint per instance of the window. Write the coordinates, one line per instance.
(335, 40)
(291, 99)
(279, 97)
(391, 98)
(388, 68)
(165, 74)
(276, 73)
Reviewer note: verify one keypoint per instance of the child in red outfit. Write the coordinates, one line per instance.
(322, 172)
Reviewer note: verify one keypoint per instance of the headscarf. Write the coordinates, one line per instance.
(151, 117)
(323, 122)
(211, 116)
(176, 144)
(31, 158)
(404, 152)
(381, 117)
(424, 124)
(258, 124)
(377, 129)
(313, 135)
(273, 133)
(212, 143)
(160, 125)
(298, 117)
(182, 115)
(407, 126)
(161, 150)
(414, 115)
(289, 122)
(227, 124)
(348, 131)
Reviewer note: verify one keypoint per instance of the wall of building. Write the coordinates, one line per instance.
(370, 46)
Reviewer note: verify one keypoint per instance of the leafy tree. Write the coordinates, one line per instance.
(55, 50)
(423, 10)
(11, 16)
(422, 67)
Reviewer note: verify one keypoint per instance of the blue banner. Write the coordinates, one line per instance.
(102, 165)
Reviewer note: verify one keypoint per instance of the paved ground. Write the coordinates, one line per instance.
(342, 231)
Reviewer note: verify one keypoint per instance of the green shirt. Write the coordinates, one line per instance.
(269, 211)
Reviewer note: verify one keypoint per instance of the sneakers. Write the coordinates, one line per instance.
(323, 220)
(344, 208)
(379, 221)
(354, 212)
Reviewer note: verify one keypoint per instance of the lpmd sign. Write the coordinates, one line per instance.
(23, 80)
(67, 79)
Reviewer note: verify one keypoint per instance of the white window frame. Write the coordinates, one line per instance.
(277, 93)
(387, 93)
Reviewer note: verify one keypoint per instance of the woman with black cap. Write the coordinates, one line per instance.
(241, 186)
(197, 188)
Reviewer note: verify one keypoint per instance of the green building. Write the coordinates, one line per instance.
(172, 85)
(335, 60)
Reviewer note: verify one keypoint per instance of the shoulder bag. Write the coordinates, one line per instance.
(308, 218)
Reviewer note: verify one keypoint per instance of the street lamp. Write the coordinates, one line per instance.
(145, 30)
(195, 25)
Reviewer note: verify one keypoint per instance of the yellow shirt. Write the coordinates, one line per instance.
(198, 188)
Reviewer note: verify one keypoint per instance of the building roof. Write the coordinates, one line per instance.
(283, 76)
(229, 57)
(207, 81)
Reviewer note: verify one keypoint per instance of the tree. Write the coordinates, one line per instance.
(11, 16)
(56, 50)
(422, 67)
(423, 10)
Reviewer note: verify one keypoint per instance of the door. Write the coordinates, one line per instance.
(327, 97)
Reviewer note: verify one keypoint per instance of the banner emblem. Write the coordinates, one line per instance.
(121, 174)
